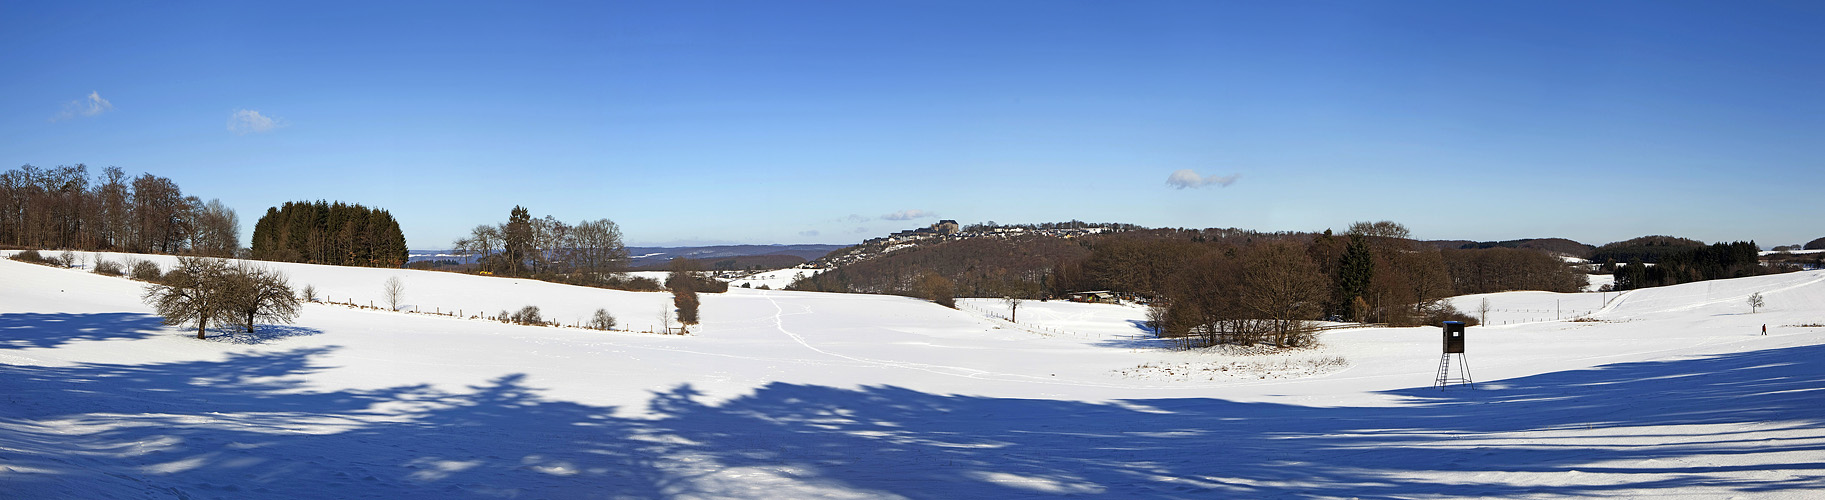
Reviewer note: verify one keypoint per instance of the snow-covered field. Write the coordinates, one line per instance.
(1670, 392)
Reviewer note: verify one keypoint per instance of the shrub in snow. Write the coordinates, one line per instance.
(602, 320)
(108, 268)
(528, 315)
(686, 302)
(34, 257)
(145, 270)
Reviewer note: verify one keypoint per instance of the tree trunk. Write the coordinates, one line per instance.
(200, 325)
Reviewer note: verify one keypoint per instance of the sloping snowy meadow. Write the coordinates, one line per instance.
(1669, 392)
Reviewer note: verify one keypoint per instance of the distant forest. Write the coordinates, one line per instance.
(337, 234)
(1648, 249)
(1221, 285)
(1686, 264)
(64, 207)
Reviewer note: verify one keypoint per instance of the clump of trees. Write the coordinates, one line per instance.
(1240, 287)
(202, 290)
(588, 253)
(1503, 269)
(529, 315)
(64, 207)
(938, 289)
(1648, 249)
(684, 274)
(336, 233)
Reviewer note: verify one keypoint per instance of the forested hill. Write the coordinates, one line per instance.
(1554, 245)
(1645, 249)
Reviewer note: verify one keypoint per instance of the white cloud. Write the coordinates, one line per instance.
(1187, 178)
(247, 121)
(908, 215)
(87, 106)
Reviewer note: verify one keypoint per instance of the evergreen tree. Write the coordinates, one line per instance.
(1355, 271)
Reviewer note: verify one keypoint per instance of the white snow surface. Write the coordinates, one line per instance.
(1669, 393)
(775, 279)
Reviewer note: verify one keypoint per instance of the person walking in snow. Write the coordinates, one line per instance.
(1764, 328)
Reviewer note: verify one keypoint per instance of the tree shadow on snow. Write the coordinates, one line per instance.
(247, 426)
(262, 334)
(29, 330)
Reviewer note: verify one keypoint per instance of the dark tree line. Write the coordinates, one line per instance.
(337, 234)
(587, 253)
(1647, 249)
(1717, 261)
(64, 207)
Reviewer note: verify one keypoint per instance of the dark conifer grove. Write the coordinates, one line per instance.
(322, 232)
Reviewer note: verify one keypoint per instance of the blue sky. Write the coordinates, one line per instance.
(822, 122)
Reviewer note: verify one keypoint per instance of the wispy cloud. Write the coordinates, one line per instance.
(247, 121)
(908, 215)
(87, 106)
(1188, 178)
(857, 218)
(861, 230)
(808, 233)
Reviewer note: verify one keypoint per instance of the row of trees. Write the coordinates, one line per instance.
(1689, 264)
(337, 234)
(589, 252)
(203, 290)
(64, 207)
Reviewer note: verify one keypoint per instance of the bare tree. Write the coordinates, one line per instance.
(1282, 285)
(1382, 229)
(394, 289)
(309, 293)
(1482, 312)
(595, 249)
(1756, 302)
(1013, 308)
(216, 230)
(259, 293)
(195, 291)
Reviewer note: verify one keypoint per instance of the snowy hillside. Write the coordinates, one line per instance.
(1668, 392)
